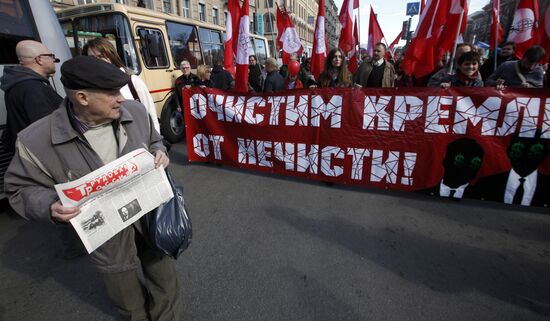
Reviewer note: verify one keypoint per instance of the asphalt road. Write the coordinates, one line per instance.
(273, 248)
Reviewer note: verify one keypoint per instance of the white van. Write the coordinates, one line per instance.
(20, 20)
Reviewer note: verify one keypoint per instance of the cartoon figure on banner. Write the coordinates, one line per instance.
(523, 184)
(463, 159)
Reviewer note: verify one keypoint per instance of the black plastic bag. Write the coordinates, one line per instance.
(169, 225)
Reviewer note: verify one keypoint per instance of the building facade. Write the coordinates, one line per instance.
(262, 16)
(332, 24)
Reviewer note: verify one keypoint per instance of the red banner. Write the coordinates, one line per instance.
(450, 142)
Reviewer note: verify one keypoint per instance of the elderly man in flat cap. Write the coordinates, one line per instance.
(93, 126)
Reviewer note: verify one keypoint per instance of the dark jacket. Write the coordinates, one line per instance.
(456, 81)
(207, 83)
(489, 66)
(255, 77)
(493, 188)
(365, 69)
(509, 72)
(221, 78)
(181, 82)
(28, 98)
(274, 82)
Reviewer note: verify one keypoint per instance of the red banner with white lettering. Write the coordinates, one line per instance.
(460, 142)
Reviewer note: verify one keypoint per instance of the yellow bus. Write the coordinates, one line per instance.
(152, 45)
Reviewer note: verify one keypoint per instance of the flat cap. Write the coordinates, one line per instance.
(86, 72)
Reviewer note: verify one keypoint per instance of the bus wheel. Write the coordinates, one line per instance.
(172, 126)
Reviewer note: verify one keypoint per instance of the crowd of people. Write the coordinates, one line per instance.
(469, 68)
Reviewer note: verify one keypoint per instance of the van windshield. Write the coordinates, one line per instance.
(16, 24)
(114, 27)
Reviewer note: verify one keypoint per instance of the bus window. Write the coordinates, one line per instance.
(16, 24)
(184, 43)
(152, 48)
(212, 47)
(261, 51)
(114, 27)
(251, 50)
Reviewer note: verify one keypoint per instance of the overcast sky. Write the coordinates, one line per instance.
(391, 14)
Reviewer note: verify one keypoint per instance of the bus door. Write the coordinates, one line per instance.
(157, 71)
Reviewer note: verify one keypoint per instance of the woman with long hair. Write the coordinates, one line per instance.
(336, 73)
(136, 89)
(255, 74)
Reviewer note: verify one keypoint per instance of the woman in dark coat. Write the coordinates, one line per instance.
(255, 74)
(203, 77)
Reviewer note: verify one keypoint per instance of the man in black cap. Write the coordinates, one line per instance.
(93, 126)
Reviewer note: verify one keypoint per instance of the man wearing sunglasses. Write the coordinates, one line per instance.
(28, 93)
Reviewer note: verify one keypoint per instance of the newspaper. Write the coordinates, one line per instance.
(114, 196)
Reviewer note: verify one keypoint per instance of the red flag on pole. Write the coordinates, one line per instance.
(346, 20)
(375, 32)
(243, 39)
(421, 58)
(395, 42)
(280, 25)
(230, 27)
(319, 52)
(288, 38)
(496, 28)
(523, 28)
(543, 33)
(453, 24)
(352, 66)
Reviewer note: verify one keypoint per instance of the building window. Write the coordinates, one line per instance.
(122, 1)
(268, 23)
(186, 8)
(269, 3)
(215, 16)
(202, 12)
(85, 1)
(166, 6)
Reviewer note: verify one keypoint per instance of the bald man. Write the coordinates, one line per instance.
(28, 93)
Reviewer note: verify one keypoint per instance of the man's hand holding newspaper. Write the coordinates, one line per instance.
(104, 202)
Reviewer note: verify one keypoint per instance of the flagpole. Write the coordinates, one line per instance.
(451, 65)
(497, 18)
(359, 29)
(272, 29)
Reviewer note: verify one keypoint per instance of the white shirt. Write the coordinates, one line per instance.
(445, 190)
(529, 187)
(144, 97)
(378, 62)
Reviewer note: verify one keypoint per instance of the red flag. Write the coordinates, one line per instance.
(543, 33)
(395, 42)
(522, 30)
(280, 25)
(421, 58)
(453, 24)
(230, 27)
(496, 27)
(319, 52)
(375, 32)
(243, 39)
(423, 4)
(346, 20)
(287, 38)
(352, 66)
